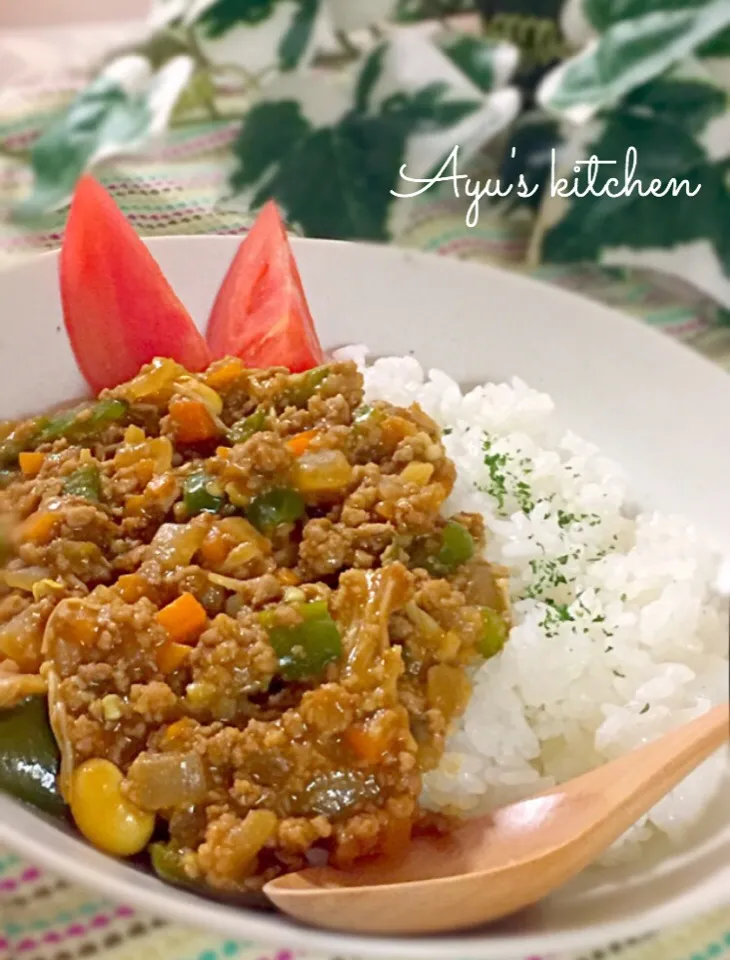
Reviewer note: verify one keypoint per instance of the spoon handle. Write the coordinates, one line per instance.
(638, 780)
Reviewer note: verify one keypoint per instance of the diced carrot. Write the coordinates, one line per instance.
(215, 548)
(369, 746)
(178, 727)
(222, 375)
(171, 655)
(31, 462)
(299, 443)
(135, 504)
(131, 587)
(39, 526)
(80, 629)
(223, 452)
(192, 421)
(184, 619)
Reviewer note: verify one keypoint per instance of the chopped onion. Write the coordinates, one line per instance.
(240, 557)
(228, 583)
(323, 471)
(24, 578)
(155, 383)
(197, 390)
(160, 781)
(175, 544)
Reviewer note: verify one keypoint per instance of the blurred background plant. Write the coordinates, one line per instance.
(333, 97)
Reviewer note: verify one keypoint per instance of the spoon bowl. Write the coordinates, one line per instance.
(496, 865)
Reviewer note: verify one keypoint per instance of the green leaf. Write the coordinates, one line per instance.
(335, 180)
(371, 72)
(226, 14)
(296, 40)
(540, 9)
(605, 13)
(119, 112)
(270, 133)
(665, 150)
(719, 46)
(474, 56)
(689, 103)
(336, 183)
(283, 44)
(427, 110)
(411, 11)
(101, 116)
(629, 54)
(532, 140)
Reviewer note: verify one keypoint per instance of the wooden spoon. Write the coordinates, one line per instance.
(493, 866)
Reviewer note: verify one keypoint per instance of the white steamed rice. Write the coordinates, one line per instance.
(633, 640)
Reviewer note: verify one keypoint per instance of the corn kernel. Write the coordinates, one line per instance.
(103, 815)
(171, 655)
(39, 526)
(111, 706)
(199, 695)
(134, 434)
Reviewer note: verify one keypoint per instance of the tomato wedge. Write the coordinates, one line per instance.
(261, 313)
(120, 311)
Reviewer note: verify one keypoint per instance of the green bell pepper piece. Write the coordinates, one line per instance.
(456, 547)
(84, 482)
(335, 794)
(306, 649)
(81, 424)
(281, 505)
(494, 634)
(29, 757)
(7, 477)
(22, 438)
(197, 497)
(302, 386)
(10, 450)
(244, 429)
(166, 861)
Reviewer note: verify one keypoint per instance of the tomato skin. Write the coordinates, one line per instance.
(261, 313)
(120, 312)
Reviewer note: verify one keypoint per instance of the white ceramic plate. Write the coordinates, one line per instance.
(657, 408)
